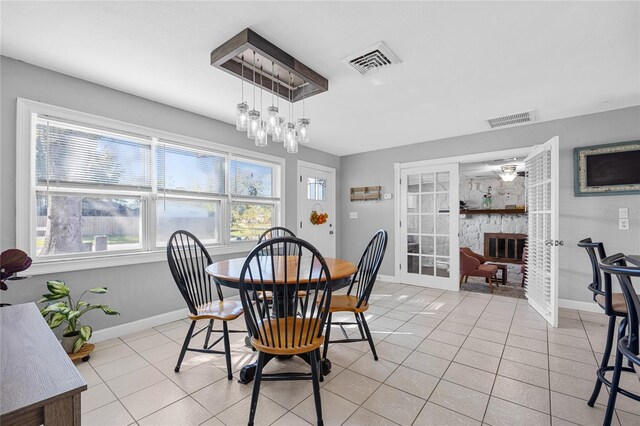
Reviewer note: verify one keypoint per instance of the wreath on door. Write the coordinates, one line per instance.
(318, 216)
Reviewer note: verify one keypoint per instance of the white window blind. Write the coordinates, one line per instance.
(190, 170)
(67, 154)
(250, 179)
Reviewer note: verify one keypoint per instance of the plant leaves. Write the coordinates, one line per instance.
(56, 319)
(73, 314)
(78, 344)
(86, 332)
(98, 290)
(107, 310)
(58, 288)
(82, 303)
(14, 260)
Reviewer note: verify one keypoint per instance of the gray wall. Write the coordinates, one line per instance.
(580, 217)
(137, 291)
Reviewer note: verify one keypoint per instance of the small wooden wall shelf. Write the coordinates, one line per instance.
(365, 193)
(494, 211)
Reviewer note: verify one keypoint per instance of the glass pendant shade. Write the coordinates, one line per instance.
(272, 119)
(261, 135)
(253, 123)
(292, 148)
(278, 131)
(241, 117)
(303, 130)
(289, 135)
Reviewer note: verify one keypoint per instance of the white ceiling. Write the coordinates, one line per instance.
(492, 169)
(462, 62)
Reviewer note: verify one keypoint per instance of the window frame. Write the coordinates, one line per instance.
(27, 186)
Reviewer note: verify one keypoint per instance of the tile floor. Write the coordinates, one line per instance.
(445, 359)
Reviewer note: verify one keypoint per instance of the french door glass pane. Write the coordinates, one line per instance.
(427, 265)
(427, 245)
(442, 246)
(442, 224)
(442, 202)
(413, 264)
(413, 224)
(412, 203)
(442, 267)
(413, 183)
(427, 182)
(427, 223)
(442, 182)
(412, 244)
(427, 205)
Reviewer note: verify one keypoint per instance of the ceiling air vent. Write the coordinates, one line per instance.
(512, 119)
(372, 59)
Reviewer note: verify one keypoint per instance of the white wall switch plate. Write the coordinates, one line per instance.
(387, 196)
(623, 213)
(623, 224)
(353, 215)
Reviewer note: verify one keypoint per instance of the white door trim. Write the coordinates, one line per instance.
(300, 215)
(461, 159)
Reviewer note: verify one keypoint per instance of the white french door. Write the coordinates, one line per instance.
(542, 243)
(429, 207)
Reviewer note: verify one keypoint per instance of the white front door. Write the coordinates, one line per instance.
(542, 244)
(429, 207)
(317, 193)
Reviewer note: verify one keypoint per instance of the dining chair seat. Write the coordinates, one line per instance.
(617, 302)
(486, 271)
(347, 303)
(292, 331)
(218, 310)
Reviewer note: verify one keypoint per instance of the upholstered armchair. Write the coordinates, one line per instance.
(470, 266)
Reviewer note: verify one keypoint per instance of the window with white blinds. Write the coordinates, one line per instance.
(100, 188)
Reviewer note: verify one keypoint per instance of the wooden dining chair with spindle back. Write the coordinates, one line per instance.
(188, 259)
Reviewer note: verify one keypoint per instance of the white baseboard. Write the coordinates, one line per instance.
(580, 306)
(388, 278)
(134, 326)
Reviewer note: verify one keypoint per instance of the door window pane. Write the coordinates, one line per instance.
(442, 202)
(413, 183)
(412, 203)
(427, 182)
(442, 181)
(427, 265)
(427, 223)
(413, 224)
(442, 224)
(249, 221)
(412, 244)
(427, 245)
(442, 246)
(413, 264)
(442, 267)
(316, 189)
(201, 218)
(427, 203)
(81, 223)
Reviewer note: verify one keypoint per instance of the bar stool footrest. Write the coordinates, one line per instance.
(600, 373)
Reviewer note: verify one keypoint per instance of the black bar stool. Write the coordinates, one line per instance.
(627, 345)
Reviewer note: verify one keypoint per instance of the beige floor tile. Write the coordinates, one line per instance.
(352, 386)
(390, 352)
(267, 412)
(148, 342)
(574, 386)
(427, 363)
(462, 319)
(577, 411)
(628, 419)
(106, 344)
(377, 370)
(110, 354)
(561, 351)
(365, 417)
(221, 395)
(523, 356)
(527, 343)
(490, 335)
(139, 334)
(152, 399)
(478, 360)
(167, 350)
(90, 376)
(335, 409)
(135, 381)
(170, 325)
(575, 342)
(112, 414)
(404, 339)
(394, 405)
(417, 329)
(198, 377)
(454, 327)
(483, 346)
(435, 415)
(524, 373)
(185, 412)
(504, 413)
(385, 323)
(290, 419)
(426, 319)
(399, 315)
(96, 397)
(447, 337)
(528, 332)
(557, 421)
(463, 400)
(290, 393)
(470, 377)
(412, 381)
(522, 393)
(573, 368)
(439, 349)
(120, 367)
(343, 354)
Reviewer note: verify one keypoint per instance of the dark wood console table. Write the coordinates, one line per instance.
(38, 382)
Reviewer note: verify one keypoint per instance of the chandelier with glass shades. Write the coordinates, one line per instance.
(509, 173)
(273, 75)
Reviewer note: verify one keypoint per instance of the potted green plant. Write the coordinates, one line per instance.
(69, 311)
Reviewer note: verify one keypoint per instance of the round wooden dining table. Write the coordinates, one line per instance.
(227, 273)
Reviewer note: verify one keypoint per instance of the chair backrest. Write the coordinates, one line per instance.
(468, 264)
(362, 281)
(617, 265)
(473, 254)
(188, 259)
(275, 232)
(598, 286)
(290, 321)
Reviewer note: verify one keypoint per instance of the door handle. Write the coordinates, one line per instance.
(330, 232)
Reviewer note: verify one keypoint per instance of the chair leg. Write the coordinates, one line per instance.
(613, 392)
(206, 340)
(466, 278)
(327, 334)
(491, 285)
(227, 348)
(359, 326)
(605, 359)
(316, 385)
(185, 345)
(369, 338)
(256, 388)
